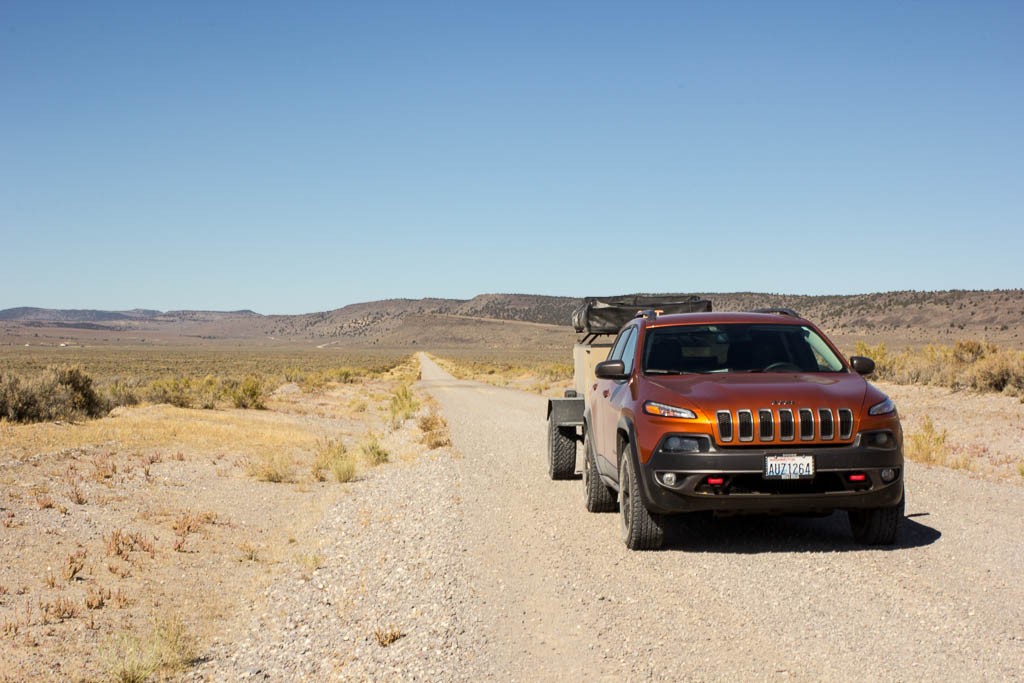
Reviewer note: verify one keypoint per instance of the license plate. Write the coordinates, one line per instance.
(789, 467)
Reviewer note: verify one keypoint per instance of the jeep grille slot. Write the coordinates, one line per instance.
(786, 425)
(845, 423)
(828, 427)
(724, 425)
(806, 424)
(746, 424)
(754, 426)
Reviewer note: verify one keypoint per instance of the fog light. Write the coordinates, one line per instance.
(679, 444)
(669, 478)
(881, 440)
(888, 474)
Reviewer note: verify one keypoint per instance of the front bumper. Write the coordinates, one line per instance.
(744, 489)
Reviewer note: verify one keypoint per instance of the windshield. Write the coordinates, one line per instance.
(737, 348)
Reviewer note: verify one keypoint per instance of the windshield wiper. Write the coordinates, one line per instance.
(659, 371)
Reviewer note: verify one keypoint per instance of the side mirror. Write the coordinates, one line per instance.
(862, 365)
(611, 369)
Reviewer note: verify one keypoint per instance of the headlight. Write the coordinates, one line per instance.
(883, 408)
(662, 410)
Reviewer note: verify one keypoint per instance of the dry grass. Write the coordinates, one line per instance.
(968, 364)
(537, 375)
(74, 565)
(928, 445)
(373, 451)
(272, 467)
(169, 649)
(403, 405)
(121, 543)
(435, 430)
(165, 428)
(332, 456)
(148, 473)
(388, 635)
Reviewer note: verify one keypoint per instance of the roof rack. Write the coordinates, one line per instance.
(779, 311)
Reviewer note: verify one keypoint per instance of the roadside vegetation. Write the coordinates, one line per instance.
(975, 365)
(540, 375)
(117, 516)
(32, 389)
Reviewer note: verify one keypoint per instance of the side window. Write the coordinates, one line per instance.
(620, 342)
(629, 351)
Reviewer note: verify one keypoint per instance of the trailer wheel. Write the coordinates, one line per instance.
(561, 451)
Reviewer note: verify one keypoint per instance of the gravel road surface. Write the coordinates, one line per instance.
(556, 596)
(489, 571)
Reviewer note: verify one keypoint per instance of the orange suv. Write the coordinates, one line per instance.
(738, 413)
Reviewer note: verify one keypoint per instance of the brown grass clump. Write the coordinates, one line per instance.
(61, 609)
(74, 484)
(74, 565)
(121, 543)
(435, 431)
(387, 636)
(189, 523)
(97, 597)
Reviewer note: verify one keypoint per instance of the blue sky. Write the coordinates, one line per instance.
(292, 157)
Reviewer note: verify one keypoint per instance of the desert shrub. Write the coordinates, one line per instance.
(967, 364)
(208, 392)
(121, 393)
(60, 393)
(251, 393)
(176, 391)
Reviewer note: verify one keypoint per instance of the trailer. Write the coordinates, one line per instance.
(597, 320)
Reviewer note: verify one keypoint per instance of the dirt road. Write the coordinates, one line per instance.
(556, 596)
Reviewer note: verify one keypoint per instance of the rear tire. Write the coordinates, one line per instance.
(640, 529)
(599, 498)
(877, 526)
(561, 452)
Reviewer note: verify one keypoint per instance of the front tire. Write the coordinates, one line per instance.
(640, 529)
(877, 526)
(561, 452)
(598, 497)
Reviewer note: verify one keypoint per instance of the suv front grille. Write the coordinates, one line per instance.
(776, 426)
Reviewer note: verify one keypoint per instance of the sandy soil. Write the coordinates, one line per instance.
(155, 517)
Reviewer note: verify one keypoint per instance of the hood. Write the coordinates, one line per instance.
(759, 390)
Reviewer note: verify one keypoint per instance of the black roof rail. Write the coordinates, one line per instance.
(779, 311)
